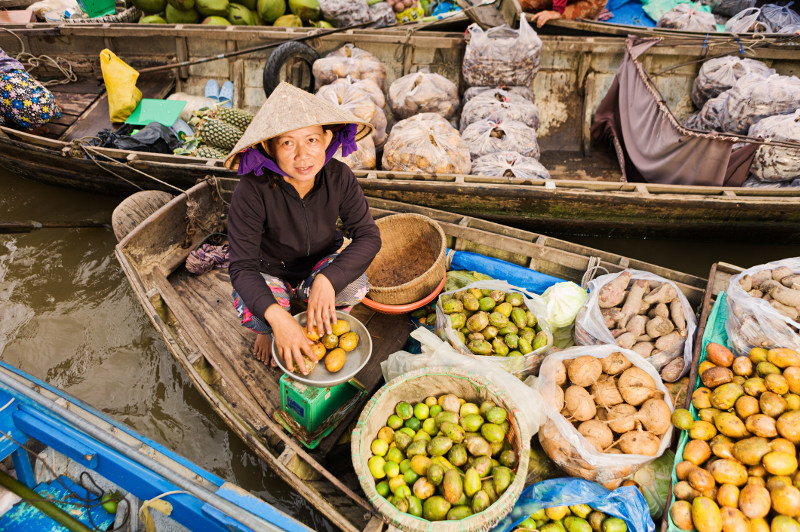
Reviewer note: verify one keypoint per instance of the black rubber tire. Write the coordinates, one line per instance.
(285, 53)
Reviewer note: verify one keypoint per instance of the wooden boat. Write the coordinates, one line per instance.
(585, 194)
(199, 326)
(67, 451)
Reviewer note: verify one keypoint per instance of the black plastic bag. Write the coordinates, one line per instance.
(153, 138)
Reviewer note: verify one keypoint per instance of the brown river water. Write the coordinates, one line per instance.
(68, 316)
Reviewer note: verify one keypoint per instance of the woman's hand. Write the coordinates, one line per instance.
(543, 17)
(291, 341)
(321, 305)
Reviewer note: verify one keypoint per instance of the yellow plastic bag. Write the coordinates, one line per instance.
(120, 79)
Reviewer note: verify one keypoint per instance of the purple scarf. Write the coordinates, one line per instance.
(254, 160)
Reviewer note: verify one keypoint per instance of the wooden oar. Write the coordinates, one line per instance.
(30, 225)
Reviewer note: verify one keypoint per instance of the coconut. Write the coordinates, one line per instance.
(270, 10)
(239, 15)
(307, 10)
(151, 7)
(216, 21)
(211, 8)
(288, 21)
(152, 19)
(181, 16)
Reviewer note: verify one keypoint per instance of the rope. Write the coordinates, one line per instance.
(32, 62)
(592, 269)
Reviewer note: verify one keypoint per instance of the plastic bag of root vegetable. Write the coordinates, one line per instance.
(755, 97)
(753, 321)
(359, 103)
(423, 92)
(501, 55)
(720, 74)
(496, 348)
(343, 13)
(426, 143)
(777, 163)
(499, 134)
(348, 61)
(621, 403)
(361, 159)
(502, 93)
(688, 17)
(640, 311)
(510, 164)
(624, 503)
(488, 106)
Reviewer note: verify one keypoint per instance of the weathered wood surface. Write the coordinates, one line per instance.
(195, 317)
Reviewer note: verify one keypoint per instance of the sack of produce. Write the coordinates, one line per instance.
(504, 93)
(763, 306)
(423, 92)
(489, 106)
(708, 117)
(728, 8)
(509, 164)
(746, 21)
(777, 163)
(500, 135)
(381, 15)
(426, 143)
(720, 74)
(348, 61)
(431, 400)
(643, 312)
(753, 182)
(361, 159)
(498, 322)
(343, 13)
(622, 407)
(501, 55)
(360, 104)
(367, 86)
(563, 302)
(776, 17)
(688, 17)
(755, 97)
(793, 29)
(740, 443)
(193, 103)
(580, 505)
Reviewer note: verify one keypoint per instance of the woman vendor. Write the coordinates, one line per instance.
(282, 221)
(545, 10)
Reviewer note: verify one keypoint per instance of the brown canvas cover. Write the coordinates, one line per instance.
(649, 141)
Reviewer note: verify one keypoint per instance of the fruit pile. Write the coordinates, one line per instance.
(443, 458)
(337, 344)
(739, 468)
(577, 518)
(493, 322)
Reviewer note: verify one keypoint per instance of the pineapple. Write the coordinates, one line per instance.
(218, 134)
(235, 117)
(208, 152)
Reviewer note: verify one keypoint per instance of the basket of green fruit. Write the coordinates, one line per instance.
(441, 462)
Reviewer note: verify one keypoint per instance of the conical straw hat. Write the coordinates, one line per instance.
(289, 108)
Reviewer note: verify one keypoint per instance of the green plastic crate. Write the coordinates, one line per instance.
(311, 406)
(714, 332)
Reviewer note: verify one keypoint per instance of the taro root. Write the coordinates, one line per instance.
(636, 386)
(584, 370)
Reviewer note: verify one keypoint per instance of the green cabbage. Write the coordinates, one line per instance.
(563, 300)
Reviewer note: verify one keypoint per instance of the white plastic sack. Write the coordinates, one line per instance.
(509, 164)
(353, 100)
(754, 97)
(564, 301)
(426, 143)
(361, 159)
(720, 74)
(382, 15)
(423, 92)
(488, 106)
(518, 366)
(348, 61)
(753, 322)
(590, 327)
(193, 103)
(708, 117)
(776, 16)
(499, 135)
(436, 353)
(501, 55)
(505, 93)
(583, 459)
(777, 163)
(343, 13)
(687, 17)
(746, 21)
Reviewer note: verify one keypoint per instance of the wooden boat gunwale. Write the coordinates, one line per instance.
(148, 261)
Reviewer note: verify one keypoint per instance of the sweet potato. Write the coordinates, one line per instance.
(676, 313)
(644, 338)
(755, 293)
(672, 371)
(746, 283)
(789, 312)
(636, 325)
(616, 333)
(668, 341)
(786, 296)
(759, 277)
(613, 293)
(609, 316)
(644, 349)
(780, 272)
(632, 303)
(658, 327)
(626, 340)
(662, 294)
(644, 308)
(660, 309)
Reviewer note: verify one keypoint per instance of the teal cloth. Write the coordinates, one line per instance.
(656, 9)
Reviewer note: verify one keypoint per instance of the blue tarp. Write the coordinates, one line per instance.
(526, 278)
(629, 12)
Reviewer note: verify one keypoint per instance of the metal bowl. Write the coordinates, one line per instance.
(354, 362)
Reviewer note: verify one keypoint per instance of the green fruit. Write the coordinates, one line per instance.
(613, 524)
(409, 477)
(434, 410)
(508, 458)
(505, 309)
(499, 347)
(152, 19)
(489, 332)
(404, 410)
(445, 417)
(402, 440)
(480, 502)
(422, 435)
(492, 432)
(375, 465)
(682, 419)
(498, 320)
(576, 524)
(413, 423)
(470, 303)
(528, 334)
(151, 7)
(511, 340)
(514, 353)
(435, 474)
(482, 464)
(514, 299)
(486, 304)
(457, 455)
(405, 465)
(270, 10)
(400, 503)
(394, 455)
(469, 408)
(530, 319)
(508, 329)
(429, 426)
(290, 21)
(239, 15)
(216, 21)
(458, 320)
(457, 513)
(553, 526)
(415, 506)
(209, 8)
(540, 340)
(379, 447)
(496, 415)
(518, 317)
(110, 501)
(383, 488)
(472, 482)
(452, 306)
(452, 486)
(480, 347)
(394, 422)
(307, 10)
(453, 432)
(477, 446)
(416, 448)
(524, 346)
(435, 508)
(406, 430)
(392, 469)
(420, 464)
(486, 406)
(501, 479)
(478, 322)
(180, 16)
(439, 446)
(472, 422)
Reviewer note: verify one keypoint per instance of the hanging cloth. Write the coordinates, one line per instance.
(651, 145)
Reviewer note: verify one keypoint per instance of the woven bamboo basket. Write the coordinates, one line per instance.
(413, 387)
(404, 236)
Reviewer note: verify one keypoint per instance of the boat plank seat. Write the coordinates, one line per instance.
(95, 116)
(209, 298)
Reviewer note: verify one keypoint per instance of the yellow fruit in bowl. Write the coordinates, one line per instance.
(348, 341)
(318, 349)
(340, 327)
(335, 360)
(330, 341)
(313, 335)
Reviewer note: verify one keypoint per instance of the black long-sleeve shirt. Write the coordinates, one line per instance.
(273, 230)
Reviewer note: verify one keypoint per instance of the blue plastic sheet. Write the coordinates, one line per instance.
(526, 278)
(626, 503)
(629, 12)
